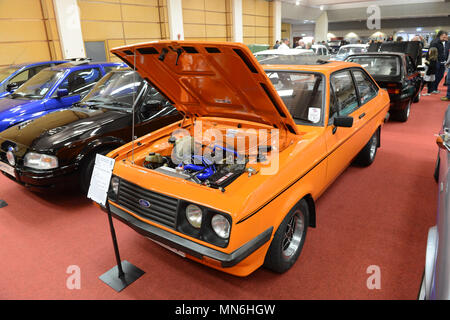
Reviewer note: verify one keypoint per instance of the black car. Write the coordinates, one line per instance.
(60, 146)
(396, 72)
(334, 45)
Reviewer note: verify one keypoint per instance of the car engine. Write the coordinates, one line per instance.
(214, 165)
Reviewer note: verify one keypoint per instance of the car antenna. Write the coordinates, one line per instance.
(134, 98)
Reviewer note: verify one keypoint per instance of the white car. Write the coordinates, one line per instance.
(349, 49)
(320, 49)
(288, 54)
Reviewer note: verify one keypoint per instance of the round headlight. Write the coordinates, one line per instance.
(115, 185)
(194, 215)
(11, 158)
(221, 226)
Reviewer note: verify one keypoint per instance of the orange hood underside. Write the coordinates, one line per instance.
(211, 79)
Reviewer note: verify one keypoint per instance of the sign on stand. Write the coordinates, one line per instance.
(100, 179)
(124, 273)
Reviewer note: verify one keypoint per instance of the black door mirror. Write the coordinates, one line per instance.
(62, 93)
(10, 87)
(343, 121)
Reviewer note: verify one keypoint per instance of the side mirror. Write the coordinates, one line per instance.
(441, 143)
(343, 121)
(62, 93)
(10, 87)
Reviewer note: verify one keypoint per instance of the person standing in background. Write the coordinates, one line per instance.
(284, 44)
(301, 44)
(431, 65)
(441, 43)
(277, 44)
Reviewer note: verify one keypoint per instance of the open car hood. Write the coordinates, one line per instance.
(213, 79)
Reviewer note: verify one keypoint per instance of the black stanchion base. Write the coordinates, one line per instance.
(3, 203)
(111, 277)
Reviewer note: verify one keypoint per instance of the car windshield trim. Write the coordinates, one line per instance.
(321, 123)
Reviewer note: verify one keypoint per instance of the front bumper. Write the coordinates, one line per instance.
(190, 247)
(44, 179)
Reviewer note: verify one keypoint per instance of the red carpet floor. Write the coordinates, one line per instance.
(378, 215)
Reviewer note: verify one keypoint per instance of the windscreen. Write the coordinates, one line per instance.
(5, 72)
(350, 50)
(300, 59)
(378, 65)
(118, 88)
(38, 86)
(302, 93)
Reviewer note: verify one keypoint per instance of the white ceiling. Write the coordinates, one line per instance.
(353, 10)
(344, 4)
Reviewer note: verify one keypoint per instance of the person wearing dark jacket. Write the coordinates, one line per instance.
(431, 65)
(441, 44)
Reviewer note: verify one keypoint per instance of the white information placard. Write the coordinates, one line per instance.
(101, 177)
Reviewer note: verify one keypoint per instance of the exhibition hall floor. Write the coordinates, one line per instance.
(378, 215)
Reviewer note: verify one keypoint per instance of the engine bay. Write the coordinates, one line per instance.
(206, 162)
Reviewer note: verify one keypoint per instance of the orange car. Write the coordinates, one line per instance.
(233, 184)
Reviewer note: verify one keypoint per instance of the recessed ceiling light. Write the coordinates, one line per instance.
(297, 3)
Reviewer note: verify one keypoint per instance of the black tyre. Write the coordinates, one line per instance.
(288, 240)
(403, 115)
(367, 155)
(87, 167)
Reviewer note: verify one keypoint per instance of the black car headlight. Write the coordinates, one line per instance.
(40, 161)
(204, 223)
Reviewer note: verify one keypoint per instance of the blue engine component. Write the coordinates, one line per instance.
(206, 169)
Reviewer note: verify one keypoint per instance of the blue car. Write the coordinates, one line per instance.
(11, 77)
(51, 89)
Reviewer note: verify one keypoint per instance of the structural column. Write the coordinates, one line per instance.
(236, 11)
(321, 28)
(276, 20)
(69, 28)
(175, 13)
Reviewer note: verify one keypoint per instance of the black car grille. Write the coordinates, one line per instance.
(163, 209)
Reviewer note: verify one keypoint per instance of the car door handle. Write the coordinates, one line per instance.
(362, 115)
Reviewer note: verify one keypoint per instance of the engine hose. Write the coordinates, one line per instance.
(202, 172)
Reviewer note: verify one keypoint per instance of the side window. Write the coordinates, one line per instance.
(366, 88)
(21, 77)
(345, 98)
(81, 81)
